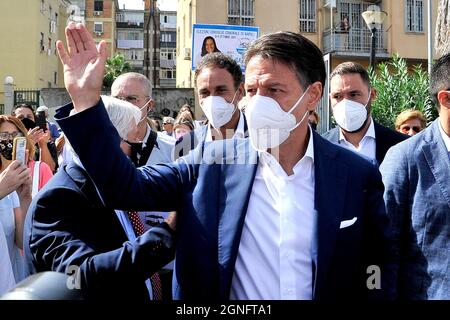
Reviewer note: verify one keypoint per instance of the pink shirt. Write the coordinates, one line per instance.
(45, 173)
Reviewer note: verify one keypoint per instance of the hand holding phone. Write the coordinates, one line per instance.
(19, 149)
(41, 121)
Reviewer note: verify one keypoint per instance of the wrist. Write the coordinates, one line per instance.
(81, 103)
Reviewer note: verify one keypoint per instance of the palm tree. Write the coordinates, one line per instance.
(115, 66)
(442, 38)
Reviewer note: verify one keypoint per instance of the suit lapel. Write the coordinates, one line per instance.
(235, 189)
(438, 160)
(330, 189)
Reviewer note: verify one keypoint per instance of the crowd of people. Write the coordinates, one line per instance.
(251, 203)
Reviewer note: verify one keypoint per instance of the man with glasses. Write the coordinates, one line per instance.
(416, 175)
(351, 97)
(147, 146)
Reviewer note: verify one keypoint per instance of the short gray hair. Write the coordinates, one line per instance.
(145, 82)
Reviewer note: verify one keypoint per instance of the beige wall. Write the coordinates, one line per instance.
(21, 56)
(408, 45)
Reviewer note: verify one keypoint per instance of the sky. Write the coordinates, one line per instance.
(139, 4)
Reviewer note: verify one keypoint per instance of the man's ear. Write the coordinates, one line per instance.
(314, 95)
(240, 93)
(151, 104)
(443, 97)
(373, 94)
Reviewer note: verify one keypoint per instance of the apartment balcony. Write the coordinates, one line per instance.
(167, 64)
(355, 43)
(130, 24)
(130, 44)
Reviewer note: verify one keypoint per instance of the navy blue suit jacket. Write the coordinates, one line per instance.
(384, 139)
(67, 225)
(210, 188)
(416, 174)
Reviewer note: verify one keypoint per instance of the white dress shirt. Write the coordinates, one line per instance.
(445, 137)
(367, 145)
(274, 258)
(162, 152)
(238, 134)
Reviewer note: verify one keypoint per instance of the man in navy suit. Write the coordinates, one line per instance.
(351, 96)
(416, 174)
(68, 229)
(219, 81)
(284, 214)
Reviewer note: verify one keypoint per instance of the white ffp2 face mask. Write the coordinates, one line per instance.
(268, 124)
(218, 111)
(350, 115)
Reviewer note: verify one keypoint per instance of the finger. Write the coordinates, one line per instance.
(63, 56)
(77, 39)
(33, 131)
(70, 39)
(86, 38)
(103, 54)
(15, 165)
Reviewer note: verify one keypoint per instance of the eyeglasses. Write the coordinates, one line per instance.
(408, 128)
(10, 135)
(131, 98)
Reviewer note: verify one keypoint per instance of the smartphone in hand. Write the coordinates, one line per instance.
(41, 121)
(19, 149)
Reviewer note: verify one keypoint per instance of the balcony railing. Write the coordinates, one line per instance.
(356, 41)
(130, 44)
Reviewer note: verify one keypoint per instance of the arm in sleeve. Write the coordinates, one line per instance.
(55, 244)
(119, 183)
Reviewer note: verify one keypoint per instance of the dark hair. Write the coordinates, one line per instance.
(204, 52)
(350, 67)
(221, 61)
(188, 107)
(292, 49)
(23, 105)
(439, 78)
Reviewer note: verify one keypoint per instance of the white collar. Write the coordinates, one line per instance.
(147, 134)
(370, 132)
(239, 132)
(268, 159)
(445, 137)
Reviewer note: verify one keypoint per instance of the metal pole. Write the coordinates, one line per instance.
(430, 39)
(372, 48)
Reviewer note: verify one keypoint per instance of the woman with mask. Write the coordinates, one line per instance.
(45, 147)
(14, 205)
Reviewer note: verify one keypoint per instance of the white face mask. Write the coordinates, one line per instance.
(218, 110)
(268, 124)
(140, 110)
(350, 115)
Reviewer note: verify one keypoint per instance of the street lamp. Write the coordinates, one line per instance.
(374, 18)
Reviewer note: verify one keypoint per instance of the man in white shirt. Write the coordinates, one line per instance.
(137, 89)
(284, 214)
(219, 88)
(416, 175)
(351, 96)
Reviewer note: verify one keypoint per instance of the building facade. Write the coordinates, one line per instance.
(100, 18)
(130, 37)
(167, 47)
(29, 31)
(322, 21)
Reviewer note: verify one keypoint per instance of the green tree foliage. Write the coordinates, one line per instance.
(115, 66)
(399, 89)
